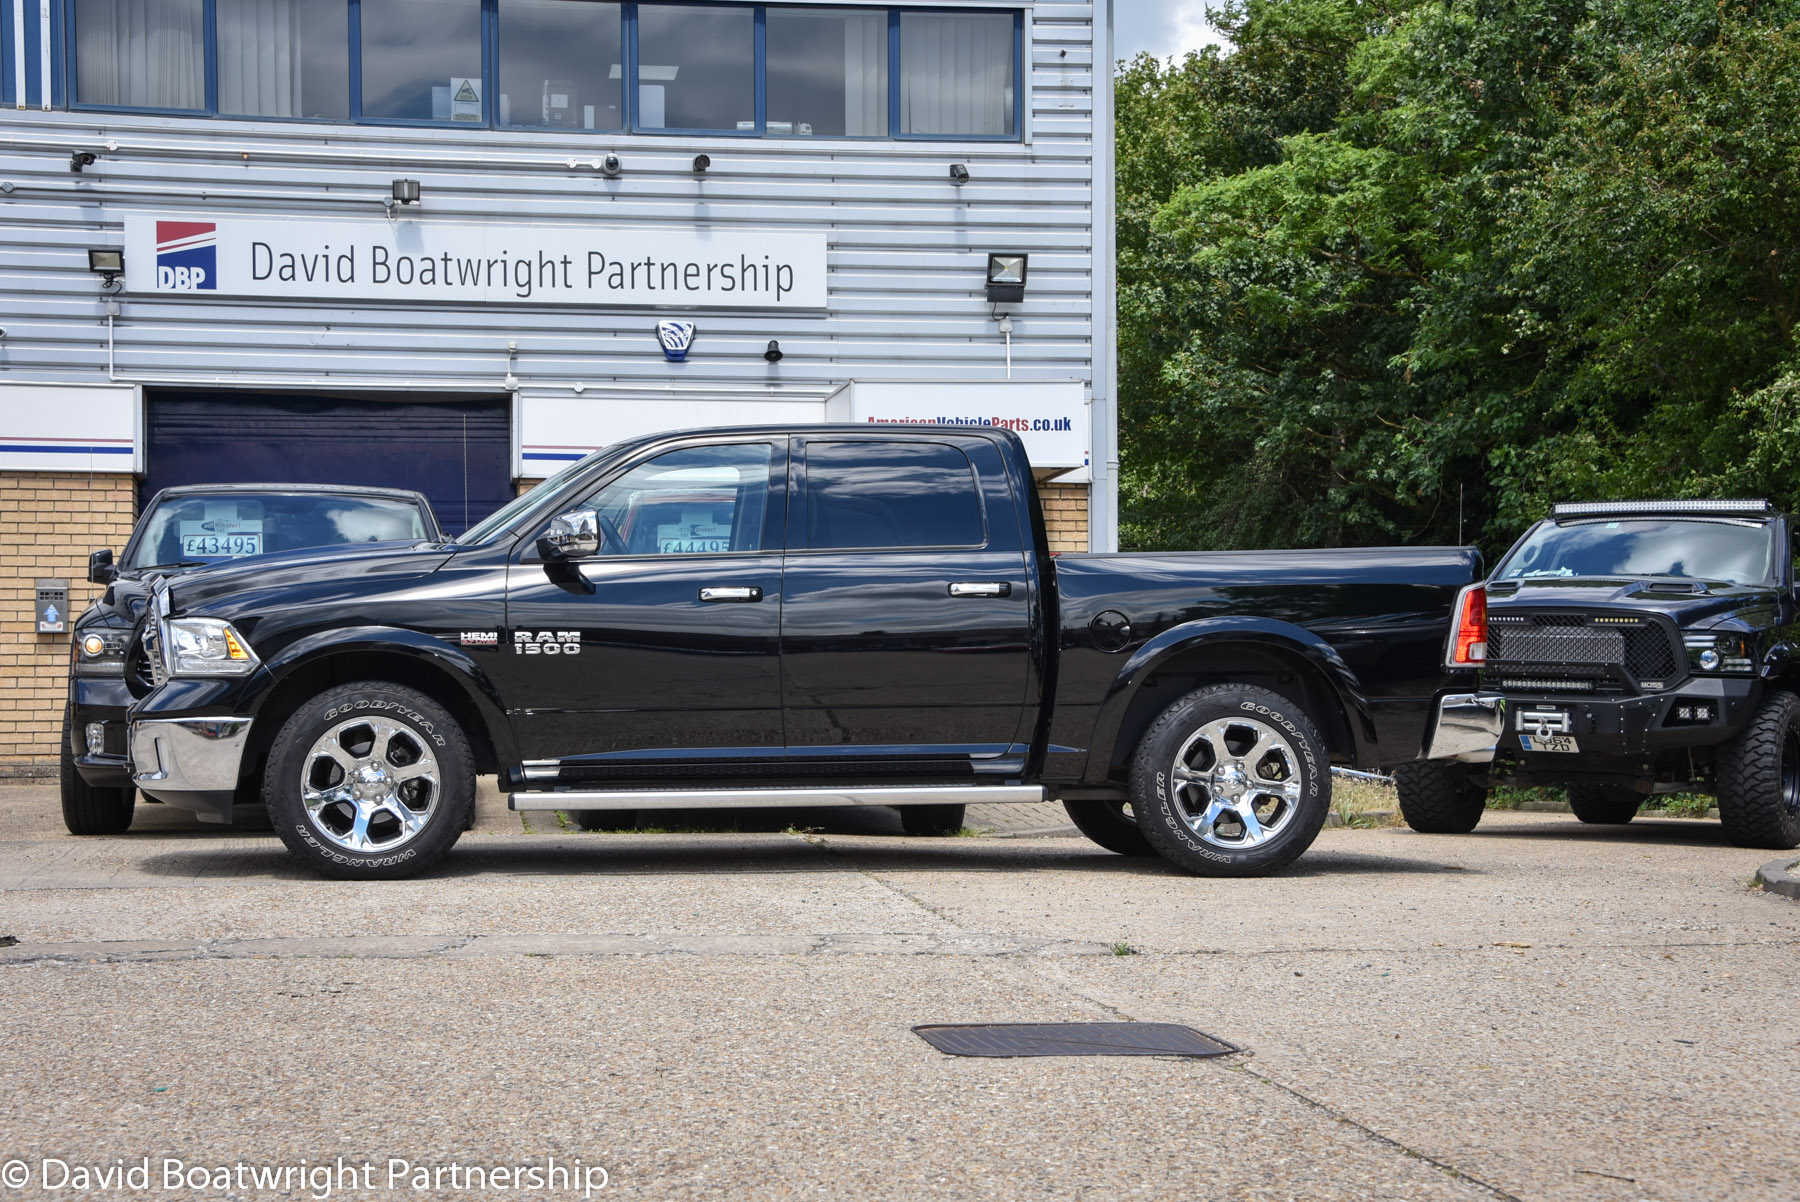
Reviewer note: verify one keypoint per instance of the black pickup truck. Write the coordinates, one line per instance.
(789, 617)
(1631, 648)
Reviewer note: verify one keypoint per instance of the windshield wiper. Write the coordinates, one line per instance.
(179, 563)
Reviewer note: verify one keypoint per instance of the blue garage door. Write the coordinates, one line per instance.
(457, 452)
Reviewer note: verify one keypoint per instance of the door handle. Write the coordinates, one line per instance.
(982, 588)
(731, 593)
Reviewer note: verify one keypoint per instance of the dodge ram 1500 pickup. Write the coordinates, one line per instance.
(819, 616)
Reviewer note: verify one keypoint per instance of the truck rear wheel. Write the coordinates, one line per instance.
(370, 781)
(86, 809)
(1438, 798)
(1759, 777)
(1231, 780)
(1607, 805)
(932, 821)
(1110, 824)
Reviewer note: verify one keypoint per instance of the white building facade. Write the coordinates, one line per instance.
(452, 244)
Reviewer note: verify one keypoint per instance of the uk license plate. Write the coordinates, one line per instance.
(1564, 743)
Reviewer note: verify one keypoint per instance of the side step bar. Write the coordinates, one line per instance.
(751, 799)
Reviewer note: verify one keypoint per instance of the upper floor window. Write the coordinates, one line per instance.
(750, 70)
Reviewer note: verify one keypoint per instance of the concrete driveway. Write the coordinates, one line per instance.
(1537, 1010)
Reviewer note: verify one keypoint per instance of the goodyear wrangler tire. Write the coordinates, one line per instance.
(1437, 798)
(1759, 777)
(370, 781)
(1231, 780)
(1110, 824)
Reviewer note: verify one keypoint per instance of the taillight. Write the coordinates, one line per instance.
(1468, 646)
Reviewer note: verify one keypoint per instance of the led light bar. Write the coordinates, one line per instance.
(1571, 509)
(1549, 686)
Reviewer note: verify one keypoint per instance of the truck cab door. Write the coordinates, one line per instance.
(659, 652)
(906, 634)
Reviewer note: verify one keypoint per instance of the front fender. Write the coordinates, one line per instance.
(469, 675)
(1295, 642)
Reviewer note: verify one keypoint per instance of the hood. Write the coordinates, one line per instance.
(342, 564)
(1689, 602)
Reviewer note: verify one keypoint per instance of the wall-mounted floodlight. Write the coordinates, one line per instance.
(610, 167)
(773, 354)
(1006, 278)
(959, 174)
(701, 163)
(107, 262)
(80, 159)
(406, 191)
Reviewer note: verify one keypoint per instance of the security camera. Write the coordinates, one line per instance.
(80, 159)
(609, 166)
(959, 174)
(702, 162)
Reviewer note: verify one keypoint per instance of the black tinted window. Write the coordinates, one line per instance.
(898, 494)
(1693, 548)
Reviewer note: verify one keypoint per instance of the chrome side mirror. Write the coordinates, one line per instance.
(572, 535)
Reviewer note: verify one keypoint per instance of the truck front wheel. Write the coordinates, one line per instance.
(1759, 777)
(1231, 780)
(1607, 805)
(86, 809)
(370, 781)
(1438, 798)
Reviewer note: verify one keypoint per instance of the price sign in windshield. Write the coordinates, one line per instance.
(220, 546)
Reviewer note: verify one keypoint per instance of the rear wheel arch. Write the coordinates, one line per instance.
(346, 665)
(1267, 664)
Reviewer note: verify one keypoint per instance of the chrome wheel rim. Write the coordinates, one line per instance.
(1236, 783)
(370, 785)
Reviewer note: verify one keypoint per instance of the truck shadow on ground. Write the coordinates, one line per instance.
(1648, 831)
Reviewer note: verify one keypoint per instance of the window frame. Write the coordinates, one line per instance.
(68, 69)
(799, 532)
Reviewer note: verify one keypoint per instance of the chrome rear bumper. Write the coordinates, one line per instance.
(1467, 728)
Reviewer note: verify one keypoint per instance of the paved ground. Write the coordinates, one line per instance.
(1538, 1010)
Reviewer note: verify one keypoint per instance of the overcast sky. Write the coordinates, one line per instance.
(1163, 27)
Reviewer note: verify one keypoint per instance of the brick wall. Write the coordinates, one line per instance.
(1065, 515)
(49, 521)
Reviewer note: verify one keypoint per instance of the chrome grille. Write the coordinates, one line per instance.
(153, 660)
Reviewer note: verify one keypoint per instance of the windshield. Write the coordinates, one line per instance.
(1689, 548)
(504, 517)
(215, 527)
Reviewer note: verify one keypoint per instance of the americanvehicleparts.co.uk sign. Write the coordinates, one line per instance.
(423, 261)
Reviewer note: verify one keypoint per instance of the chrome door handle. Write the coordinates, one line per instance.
(732, 593)
(983, 588)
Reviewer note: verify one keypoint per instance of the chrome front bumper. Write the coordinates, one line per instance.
(190, 762)
(1468, 728)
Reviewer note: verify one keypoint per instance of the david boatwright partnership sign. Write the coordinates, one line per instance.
(427, 261)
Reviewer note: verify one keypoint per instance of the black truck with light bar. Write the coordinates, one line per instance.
(1630, 648)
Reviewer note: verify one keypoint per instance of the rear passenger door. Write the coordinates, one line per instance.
(905, 628)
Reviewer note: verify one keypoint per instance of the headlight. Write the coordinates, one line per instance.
(207, 647)
(1723, 653)
(101, 653)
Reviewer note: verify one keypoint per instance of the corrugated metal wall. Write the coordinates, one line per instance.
(907, 248)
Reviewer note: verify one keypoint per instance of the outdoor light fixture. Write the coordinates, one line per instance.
(701, 163)
(107, 262)
(1006, 278)
(773, 354)
(959, 174)
(406, 191)
(80, 159)
(610, 168)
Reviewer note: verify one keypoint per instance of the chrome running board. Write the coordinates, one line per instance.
(751, 799)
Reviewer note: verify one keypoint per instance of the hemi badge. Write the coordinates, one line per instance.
(481, 638)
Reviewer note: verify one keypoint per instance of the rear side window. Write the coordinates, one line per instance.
(872, 495)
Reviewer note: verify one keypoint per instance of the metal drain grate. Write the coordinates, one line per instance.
(1070, 1039)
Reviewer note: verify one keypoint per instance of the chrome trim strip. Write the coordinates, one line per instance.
(1468, 727)
(750, 799)
(188, 755)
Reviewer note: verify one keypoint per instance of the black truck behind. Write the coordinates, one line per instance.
(793, 616)
(1634, 648)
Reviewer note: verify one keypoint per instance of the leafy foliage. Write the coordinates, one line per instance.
(1395, 273)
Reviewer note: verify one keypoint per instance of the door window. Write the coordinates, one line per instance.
(874, 495)
(695, 501)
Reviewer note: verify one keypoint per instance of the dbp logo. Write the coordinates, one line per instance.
(676, 337)
(187, 256)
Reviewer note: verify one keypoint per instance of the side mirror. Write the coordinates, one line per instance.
(572, 535)
(100, 567)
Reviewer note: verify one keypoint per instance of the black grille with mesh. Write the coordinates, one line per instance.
(1579, 646)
